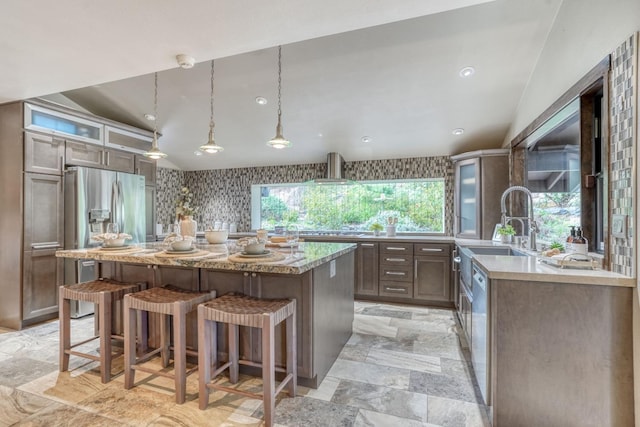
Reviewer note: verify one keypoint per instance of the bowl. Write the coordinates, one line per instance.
(216, 236)
(254, 248)
(181, 245)
(114, 243)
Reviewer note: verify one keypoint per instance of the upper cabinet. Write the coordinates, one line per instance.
(64, 136)
(56, 122)
(43, 154)
(481, 178)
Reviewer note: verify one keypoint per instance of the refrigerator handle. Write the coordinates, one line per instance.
(115, 214)
(121, 207)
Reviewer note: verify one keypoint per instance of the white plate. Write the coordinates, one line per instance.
(114, 248)
(188, 251)
(246, 255)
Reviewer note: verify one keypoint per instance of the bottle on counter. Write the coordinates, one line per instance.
(570, 237)
(579, 244)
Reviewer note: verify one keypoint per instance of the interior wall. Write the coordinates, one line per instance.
(584, 32)
(225, 194)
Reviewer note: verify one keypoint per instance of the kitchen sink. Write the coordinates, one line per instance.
(495, 250)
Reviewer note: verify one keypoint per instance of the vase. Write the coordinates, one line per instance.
(188, 226)
(376, 232)
(391, 230)
(505, 238)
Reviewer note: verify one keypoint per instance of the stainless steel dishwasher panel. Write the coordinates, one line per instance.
(480, 333)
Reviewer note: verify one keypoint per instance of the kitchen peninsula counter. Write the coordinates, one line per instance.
(320, 279)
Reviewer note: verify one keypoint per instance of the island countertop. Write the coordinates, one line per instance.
(307, 256)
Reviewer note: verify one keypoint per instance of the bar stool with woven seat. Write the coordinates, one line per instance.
(167, 301)
(103, 293)
(241, 310)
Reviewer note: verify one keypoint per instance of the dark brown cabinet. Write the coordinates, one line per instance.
(42, 276)
(43, 212)
(43, 154)
(82, 154)
(147, 168)
(367, 269)
(432, 273)
(96, 156)
(395, 270)
(120, 161)
(43, 234)
(432, 278)
(480, 179)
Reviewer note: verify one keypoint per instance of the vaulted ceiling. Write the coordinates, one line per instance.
(384, 69)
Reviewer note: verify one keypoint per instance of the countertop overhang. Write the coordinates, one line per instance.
(308, 256)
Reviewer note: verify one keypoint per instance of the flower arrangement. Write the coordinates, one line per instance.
(184, 204)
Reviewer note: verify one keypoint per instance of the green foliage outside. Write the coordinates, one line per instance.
(418, 205)
(555, 213)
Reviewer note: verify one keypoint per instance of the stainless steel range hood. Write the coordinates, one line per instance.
(334, 171)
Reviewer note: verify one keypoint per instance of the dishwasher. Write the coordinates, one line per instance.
(480, 334)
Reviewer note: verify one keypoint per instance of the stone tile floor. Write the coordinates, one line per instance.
(403, 366)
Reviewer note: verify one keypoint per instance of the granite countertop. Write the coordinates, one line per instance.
(308, 255)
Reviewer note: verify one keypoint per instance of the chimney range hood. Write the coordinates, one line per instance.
(334, 171)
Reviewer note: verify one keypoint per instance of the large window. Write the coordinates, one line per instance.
(417, 204)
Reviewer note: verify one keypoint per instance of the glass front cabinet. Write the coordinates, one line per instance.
(481, 178)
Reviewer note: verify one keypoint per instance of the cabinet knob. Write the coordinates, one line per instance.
(253, 274)
(246, 274)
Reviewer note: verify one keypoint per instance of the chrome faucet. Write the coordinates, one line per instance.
(533, 227)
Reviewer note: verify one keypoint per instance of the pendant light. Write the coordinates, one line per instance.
(211, 147)
(155, 152)
(279, 141)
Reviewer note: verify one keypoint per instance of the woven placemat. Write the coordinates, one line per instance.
(273, 257)
(196, 254)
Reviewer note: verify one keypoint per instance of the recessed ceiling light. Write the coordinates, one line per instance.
(198, 153)
(366, 139)
(150, 117)
(457, 131)
(260, 100)
(467, 72)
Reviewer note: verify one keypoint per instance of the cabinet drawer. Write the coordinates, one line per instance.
(395, 259)
(397, 273)
(396, 289)
(432, 249)
(397, 248)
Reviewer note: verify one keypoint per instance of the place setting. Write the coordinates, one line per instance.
(113, 241)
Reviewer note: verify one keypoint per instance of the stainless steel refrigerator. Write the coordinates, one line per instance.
(92, 199)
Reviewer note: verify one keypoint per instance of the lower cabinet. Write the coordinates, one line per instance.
(43, 274)
(432, 278)
(367, 269)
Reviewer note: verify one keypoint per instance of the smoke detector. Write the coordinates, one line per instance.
(185, 61)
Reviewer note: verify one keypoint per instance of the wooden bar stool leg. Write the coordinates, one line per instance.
(204, 358)
(65, 331)
(143, 331)
(268, 368)
(292, 350)
(165, 339)
(105, 336)
(129, 343)
(233, 353)
(180, 350)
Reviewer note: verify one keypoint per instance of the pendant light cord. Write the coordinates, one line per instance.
(211, 123)
(155, 107)
(279, 81)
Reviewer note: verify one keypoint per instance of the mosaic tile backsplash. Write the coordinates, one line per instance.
(623, 85)
(225, 194)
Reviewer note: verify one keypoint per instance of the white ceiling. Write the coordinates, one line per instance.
(387, 69)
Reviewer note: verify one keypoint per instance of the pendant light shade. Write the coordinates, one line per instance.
(279, 141)
(211, 147)
(155, 152)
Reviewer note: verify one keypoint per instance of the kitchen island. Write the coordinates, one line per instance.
(320, 277)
